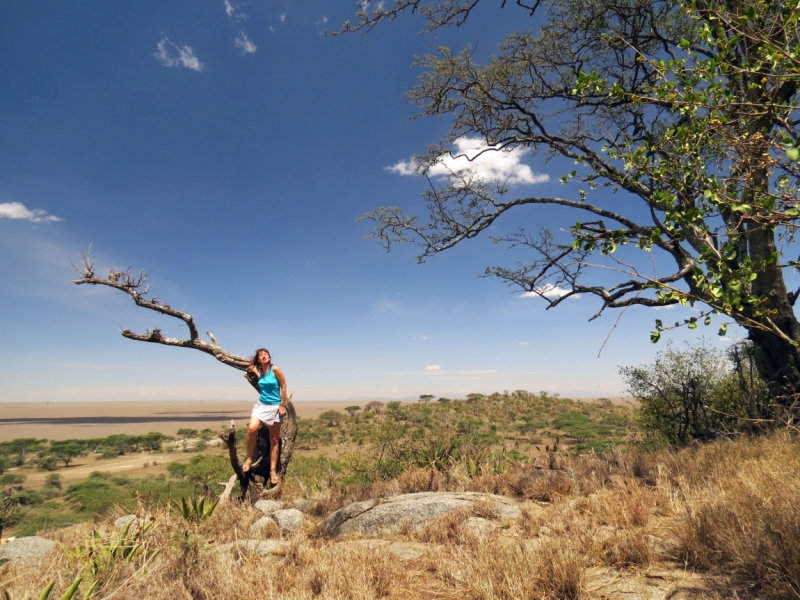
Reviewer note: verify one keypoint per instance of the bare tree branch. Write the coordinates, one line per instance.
(137, 287)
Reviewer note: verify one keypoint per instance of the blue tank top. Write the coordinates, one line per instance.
(270, 388)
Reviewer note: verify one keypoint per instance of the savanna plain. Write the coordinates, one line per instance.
(551, 498)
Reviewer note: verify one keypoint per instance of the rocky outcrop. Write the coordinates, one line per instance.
(385, 516)
(25, 548)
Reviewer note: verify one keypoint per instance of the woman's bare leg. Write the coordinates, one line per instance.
(274, 443)
(252, 434)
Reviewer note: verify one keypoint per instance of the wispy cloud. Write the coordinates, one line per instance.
(237, 16)
(17, 210)
(549, 291)
(433, 368)
(233, 12)
(488, 162)
(523, 343)
(244, 44)
(282, 17)
(170, 54)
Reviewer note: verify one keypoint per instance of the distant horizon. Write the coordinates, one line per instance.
(299, 400)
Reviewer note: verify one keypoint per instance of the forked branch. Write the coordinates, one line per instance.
(138, 288)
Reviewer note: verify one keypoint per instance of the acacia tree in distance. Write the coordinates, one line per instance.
(687, 111)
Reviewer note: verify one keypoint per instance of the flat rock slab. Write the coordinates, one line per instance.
(257, 547)
(385, 516)
(400, 550)
(268, 506)
(25, 548)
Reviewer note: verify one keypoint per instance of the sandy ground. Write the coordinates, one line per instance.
(82, 420)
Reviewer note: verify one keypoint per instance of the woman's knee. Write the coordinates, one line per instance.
(253, 427)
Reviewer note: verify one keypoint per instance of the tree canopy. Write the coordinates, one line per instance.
(681, 120)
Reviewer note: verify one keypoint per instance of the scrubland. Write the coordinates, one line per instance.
(718, 520)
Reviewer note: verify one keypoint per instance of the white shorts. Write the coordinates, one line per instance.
(266, 413)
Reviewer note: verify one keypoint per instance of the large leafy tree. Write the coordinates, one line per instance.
(681, 119)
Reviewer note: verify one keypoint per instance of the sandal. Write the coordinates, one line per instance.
(247, 464)
(274, 478)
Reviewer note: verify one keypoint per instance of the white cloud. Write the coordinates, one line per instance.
(17, 210)
(433, 368)
(244, 44)
(236, 16)
(549, 291)
(523, 343)
(488, 162)
(170, 54)
(667, 307)
(282, 17)
(233, 12)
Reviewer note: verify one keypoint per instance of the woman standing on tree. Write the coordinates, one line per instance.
(269, 409)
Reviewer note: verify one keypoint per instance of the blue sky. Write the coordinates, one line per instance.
(228, 149)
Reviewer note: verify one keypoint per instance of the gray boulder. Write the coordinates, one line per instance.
(268, 506)
(384, 516)
(25, 548)
(122, 521)
(263, 523)
(289, 520)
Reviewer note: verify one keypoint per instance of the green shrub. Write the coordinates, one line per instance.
(698, 392)
(47, 463)
(12, 479)
(28, 498)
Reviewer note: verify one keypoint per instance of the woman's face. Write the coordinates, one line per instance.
(263, 358)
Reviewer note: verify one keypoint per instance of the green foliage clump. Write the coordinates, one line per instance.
(48, 462)
(698, 393)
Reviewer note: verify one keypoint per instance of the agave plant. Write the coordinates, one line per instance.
(195, 509)
(68, 595)
(100, 553)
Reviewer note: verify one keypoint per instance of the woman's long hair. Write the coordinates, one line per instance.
(255, 362)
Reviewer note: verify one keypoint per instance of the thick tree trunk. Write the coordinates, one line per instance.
(777, 359)
(255, 483)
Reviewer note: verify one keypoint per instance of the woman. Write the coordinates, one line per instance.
(269, 409)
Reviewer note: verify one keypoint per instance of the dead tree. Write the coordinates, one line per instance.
(255, 483)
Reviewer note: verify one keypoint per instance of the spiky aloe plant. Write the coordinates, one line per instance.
(68, 595)
(195, 509)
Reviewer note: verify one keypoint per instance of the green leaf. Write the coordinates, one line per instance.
(741, 207)
(793, 154)
(46, 592)
(655, 336)
(723, 329)
(72, 589)
(707, 321)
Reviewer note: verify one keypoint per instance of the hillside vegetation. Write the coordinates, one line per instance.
(592, 521)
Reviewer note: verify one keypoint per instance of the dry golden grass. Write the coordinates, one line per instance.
(728, 509)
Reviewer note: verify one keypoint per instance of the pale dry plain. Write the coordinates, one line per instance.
(83, 420)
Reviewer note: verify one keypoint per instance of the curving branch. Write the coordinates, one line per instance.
(138, 288)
